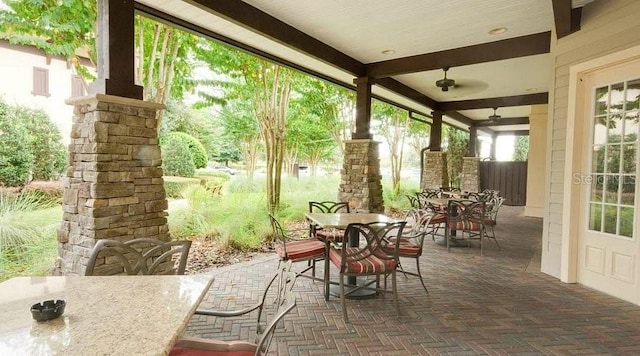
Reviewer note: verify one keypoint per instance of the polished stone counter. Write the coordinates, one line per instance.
(115, 315)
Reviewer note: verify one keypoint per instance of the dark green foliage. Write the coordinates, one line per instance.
(176, 158)
(15, 158)
(198, 153)
(457, 147)
(30, 148)
(49, 154)
(521, 150)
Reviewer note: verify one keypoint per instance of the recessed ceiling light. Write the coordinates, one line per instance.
(388, 51)
(498, 31)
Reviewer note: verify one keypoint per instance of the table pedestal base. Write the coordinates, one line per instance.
(362, 293)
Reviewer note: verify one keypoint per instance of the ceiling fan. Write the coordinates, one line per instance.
(445, 82)
(494, 117)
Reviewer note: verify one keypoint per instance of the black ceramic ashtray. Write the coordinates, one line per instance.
(48, 310)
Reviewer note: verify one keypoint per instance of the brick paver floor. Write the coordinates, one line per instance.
(496, 304)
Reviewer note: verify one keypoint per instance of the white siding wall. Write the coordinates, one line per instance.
(607, 27)
(16, 83)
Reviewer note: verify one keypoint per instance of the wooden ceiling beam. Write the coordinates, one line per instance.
(567, 19)
(266, 25)
(529, 45)
(517, 100)
(502, 122)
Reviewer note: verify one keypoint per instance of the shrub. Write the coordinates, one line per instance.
(174, 186)
(45, 144)
(197, 150)
(176, 158)
(31, 144)
(15, 160)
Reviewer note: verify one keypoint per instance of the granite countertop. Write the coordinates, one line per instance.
(115, 315)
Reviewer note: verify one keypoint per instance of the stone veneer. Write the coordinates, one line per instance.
(113, 186)
(434, 170)
(470, 178)
(361, 180)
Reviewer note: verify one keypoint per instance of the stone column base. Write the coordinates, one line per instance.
(361, 180)
(470, 178)
(434, 170)
(113, 187)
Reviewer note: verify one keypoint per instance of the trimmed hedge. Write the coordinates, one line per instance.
(197, 150)
(176, 158)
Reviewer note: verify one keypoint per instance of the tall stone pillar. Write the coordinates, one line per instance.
(113, 186)
(361, 180)
(434, 170)
(470, 178)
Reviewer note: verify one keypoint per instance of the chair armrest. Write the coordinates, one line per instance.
(225, 314)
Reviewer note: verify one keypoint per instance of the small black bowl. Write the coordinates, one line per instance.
(48, 310)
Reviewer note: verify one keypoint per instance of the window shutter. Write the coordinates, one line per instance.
(40, 81)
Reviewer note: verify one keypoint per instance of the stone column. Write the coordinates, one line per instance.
(470, 179)
(434, 170)
(113, 186)
(361, 180)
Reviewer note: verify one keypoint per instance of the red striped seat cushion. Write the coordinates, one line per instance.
(334, 235)
(368, 265)
(465, 225)
(301, 250)
(200, 347)
(407, 248)
(438, 219)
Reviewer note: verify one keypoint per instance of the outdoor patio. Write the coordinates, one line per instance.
(496, 304)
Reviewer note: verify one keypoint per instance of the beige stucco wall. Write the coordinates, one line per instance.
(536, 161)
(607, 27)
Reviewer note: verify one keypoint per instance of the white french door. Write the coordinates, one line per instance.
(608, 247)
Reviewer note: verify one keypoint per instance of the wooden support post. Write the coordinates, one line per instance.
(363, 108)
(435, 138)
(473, 142)
(116, 50)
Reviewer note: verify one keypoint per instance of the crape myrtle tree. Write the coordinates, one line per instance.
(418, 136)
(333, 107)
(241, 129)
(393, 127)
(267, 86)
(308, 139)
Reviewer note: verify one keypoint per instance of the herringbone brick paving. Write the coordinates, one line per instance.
(496, 304)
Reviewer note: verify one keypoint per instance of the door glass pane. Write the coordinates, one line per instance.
(610, 219)
(613, 159)
(597, 161)
(629, 158)
(595, 217)
(626, 221)
(611, 189)
(633, 95)
(596, 187)
(600, 131)
(615, 126)
(616, 98)
(628, 190)
(601, 101)
(631, 127)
